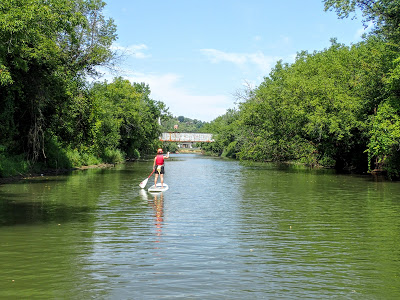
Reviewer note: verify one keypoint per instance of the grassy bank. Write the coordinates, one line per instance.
(58, 161)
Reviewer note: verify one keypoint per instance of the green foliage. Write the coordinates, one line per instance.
(225, 130)
(136, 154)
(46, 47)
(320, 111)
(230, 150)
(13, 165)
(304, 109)
(56, 155)
(384, 14)
(125, 117)
(170, 147)
(48, 111)
(113, 156)
(384, 143)
(78, 158)
(74, 157)
(382, 131)
(5, 76)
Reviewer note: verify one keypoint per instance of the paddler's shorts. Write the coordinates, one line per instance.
(161, 169)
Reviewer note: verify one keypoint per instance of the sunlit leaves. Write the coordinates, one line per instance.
(225, 131)
(304, 108)
(315, 110)
(125, 117)
(5, 76)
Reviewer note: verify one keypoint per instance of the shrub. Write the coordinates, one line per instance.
(113, 156)
(136, 154)
(56, 155)
(74, 157)
(14, 165)
(230, 151)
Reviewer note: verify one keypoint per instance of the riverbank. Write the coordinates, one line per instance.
(51, 172)
(190, 150)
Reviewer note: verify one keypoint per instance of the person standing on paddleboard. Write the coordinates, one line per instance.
(158, 166)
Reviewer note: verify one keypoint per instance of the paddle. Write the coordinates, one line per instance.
(144, 182)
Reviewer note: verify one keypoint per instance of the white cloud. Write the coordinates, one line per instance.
(181, 101)
(262, 61)
(135, 51)
(217, 56)
(242, 60)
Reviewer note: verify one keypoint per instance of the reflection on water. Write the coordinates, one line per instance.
(158, 206)
(222, 231)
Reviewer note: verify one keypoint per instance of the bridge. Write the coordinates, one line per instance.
(185, 137)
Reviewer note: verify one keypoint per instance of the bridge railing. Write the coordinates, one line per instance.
(185, 137)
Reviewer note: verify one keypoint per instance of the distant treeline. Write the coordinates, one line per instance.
(182, 124)
(339, 107)
(50, 115)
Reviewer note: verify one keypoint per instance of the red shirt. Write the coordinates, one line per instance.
(160, 160)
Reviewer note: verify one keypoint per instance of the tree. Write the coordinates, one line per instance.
(383, 147)
(46, 47)
(225, 132)
(384, 14)
(316, 110)
(125, 117)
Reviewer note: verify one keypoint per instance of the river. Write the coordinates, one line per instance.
(223, 230)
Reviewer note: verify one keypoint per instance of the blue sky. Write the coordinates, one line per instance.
(197, 55)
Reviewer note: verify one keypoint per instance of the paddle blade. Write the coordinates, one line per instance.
(143, 183)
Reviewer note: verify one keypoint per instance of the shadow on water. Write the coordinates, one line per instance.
(301, 169)
(42, 179)
(30, 213)
(58, 199)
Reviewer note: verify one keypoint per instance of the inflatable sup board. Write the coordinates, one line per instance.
(158, 188)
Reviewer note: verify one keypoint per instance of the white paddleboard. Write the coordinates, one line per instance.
(158, 188)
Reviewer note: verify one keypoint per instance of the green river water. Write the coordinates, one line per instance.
(223, 230)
